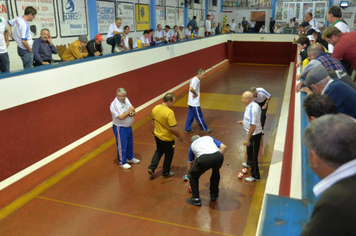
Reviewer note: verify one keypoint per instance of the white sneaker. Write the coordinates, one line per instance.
(245, 165)
(117, 50)
(251, 179)
(134, 161)
(125, 166)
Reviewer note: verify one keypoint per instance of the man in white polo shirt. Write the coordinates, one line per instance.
(122, 114)
(252, 125)
(194, 104)
(205, 153)
(22, 35)
(114, 35)
(158, 36)
(262, 97)
(207, 26)
(124, 44)
(314, 24)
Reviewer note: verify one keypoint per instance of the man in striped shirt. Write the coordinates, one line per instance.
(252, 125)
(262, 98)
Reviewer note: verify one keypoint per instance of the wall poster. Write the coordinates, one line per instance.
(45, 17)
(142, 17)
(72, 16)
(125, 10)
(106, 15)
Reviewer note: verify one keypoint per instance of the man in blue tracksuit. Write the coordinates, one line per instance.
(194, 104)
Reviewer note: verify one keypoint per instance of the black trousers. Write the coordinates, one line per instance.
(263, 113)
(252, 155)
(166, 148)
(203, 163)
(114, 40)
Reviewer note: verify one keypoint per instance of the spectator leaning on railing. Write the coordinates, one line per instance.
(76, 50)
(330, 141)
(94, 46)
(344, 44)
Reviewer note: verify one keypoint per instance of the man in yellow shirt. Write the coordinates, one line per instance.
(226, 29)
(165, 128)
(76, 50)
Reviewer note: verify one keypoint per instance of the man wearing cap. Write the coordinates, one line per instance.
(330, 141)
(114, 35)
(43, 49)
(76, 50)
(252, 125)
(315, 24)
(344, 96)
(205, 153)
(94, 46)
(344, 44)
(181, 33)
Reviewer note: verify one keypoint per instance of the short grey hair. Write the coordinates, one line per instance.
(121, 90)
(45, 29)
(200, 71)
(332, 138)
(194, 137)
(316, 49)
(253, 89)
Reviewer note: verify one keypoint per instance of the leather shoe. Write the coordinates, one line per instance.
(214, 196)
(194, 201)
(169, 175)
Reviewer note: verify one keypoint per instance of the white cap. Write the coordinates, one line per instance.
(311, 38)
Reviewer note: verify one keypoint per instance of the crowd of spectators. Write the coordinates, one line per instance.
(328, 56)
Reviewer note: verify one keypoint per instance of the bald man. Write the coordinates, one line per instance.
(252, 125)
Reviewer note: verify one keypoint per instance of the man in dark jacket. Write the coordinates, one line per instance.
(94, 46)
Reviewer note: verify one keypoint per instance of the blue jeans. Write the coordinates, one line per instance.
(4, 62)
(26, 57)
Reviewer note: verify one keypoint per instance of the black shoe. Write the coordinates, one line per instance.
(151, 172)
(169, 175)
(214, 196)
(190, 131)
(194, 201)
